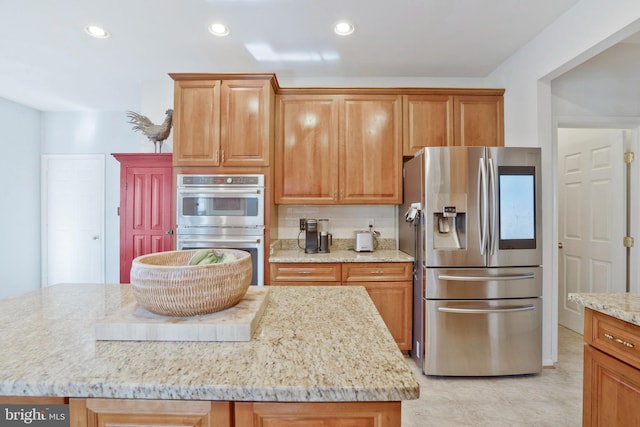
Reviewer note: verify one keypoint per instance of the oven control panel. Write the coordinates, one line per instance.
(220, 180)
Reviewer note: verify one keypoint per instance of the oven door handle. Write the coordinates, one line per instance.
(209, 240)
(221, 193)
(485, 310)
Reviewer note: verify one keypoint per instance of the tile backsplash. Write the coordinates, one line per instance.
(343, 219)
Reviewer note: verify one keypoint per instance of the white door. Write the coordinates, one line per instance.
(591, 217)
(72, 219)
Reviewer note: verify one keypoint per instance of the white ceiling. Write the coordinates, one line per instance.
(47, 62)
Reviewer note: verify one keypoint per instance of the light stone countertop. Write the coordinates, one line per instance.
(339, 255)
(623, 306)
(312, 344)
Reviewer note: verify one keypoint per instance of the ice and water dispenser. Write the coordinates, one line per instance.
(450, 222)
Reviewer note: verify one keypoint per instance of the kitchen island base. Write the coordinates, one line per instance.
(136, 412)
(145, 412)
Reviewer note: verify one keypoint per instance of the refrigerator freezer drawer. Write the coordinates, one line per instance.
(483, 283)
(483, 337)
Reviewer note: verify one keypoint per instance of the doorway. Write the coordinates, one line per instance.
(592, 214)
(72, 212)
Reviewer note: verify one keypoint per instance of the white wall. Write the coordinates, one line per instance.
(585, 30)
(19, 199)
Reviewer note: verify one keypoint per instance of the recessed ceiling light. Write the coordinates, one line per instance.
(344, 28)
(219, 29)
(96, 31)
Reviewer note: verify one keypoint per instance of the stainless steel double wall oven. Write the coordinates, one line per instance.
(222, 211)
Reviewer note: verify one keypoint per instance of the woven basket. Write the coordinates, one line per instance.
(165, 284)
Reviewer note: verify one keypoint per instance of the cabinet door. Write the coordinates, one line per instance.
(371, 149)
(317, 414)
(611, 391)
(145, 214)
(245, 122)
(479, 120)
(306, 149)
(428, 122)
(196, 123)
(393, 301)
(140, 412)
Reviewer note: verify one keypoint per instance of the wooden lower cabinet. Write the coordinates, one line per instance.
(389, 284)
(139, 412)
(183, 413)
(611, 392)
(318, 414)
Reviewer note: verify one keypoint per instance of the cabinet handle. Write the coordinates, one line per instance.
(377, 272)
(216, 158)
(618, 340)
(222, 156)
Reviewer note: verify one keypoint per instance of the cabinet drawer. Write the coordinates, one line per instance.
(613, 336)
(301, 272)
(376, 271)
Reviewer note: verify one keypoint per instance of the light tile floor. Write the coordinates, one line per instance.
(551, 398)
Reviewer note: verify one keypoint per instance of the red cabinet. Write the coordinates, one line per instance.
(146, 206)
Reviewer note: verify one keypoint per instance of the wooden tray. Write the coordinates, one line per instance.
(135, 323)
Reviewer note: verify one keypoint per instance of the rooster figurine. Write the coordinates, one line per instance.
(155, 133)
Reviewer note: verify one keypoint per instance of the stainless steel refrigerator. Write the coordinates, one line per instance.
(471, 218)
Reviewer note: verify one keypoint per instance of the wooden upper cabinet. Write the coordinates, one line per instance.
(371, 149)
(339, 149)
(246, 122)
(448, 119)
(196, 123)
(306, 149)
(479, 120)
(427, 122)
(222, 122)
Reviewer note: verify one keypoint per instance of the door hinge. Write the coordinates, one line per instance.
(629, 156)
(627, 242)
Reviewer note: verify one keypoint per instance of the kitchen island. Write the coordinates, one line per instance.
(611, 391)
(318, 353)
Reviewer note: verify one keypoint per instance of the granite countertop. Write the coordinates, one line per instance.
(287, 250)
(340, 255)
(623, 306)
(312, 344)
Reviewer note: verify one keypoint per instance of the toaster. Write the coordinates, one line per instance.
(363, 241)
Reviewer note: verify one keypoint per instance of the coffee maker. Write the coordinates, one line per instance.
(310, 227)
(317, 236)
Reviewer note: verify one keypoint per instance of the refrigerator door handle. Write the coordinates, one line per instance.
(486, 310)
(492, 208)
(482, 205)
(505, 277)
